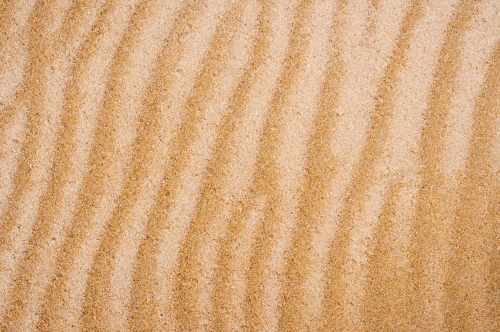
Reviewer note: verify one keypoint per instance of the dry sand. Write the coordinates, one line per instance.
(250, 165)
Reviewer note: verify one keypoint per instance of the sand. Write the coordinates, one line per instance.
(250, 165)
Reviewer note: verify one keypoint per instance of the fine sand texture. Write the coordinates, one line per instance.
(249, 165)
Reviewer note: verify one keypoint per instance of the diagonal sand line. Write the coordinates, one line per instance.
(205, 241)
(13, 50)
(93, 70)
(10, 151)
(470, 280)
(243, 149)
(140, 59)
(188, 64)
(383, 287)
(264, 182)
(356, 119)
(457, 136)
(434, 204)
(299, 111)
(182, 112)
(172, 101)
(125, 257)
(200, 302)
(399, 158)
(241, 250)
(42, 160)
(478, 44)
(477, 50)
(354, 105)
(234, 160)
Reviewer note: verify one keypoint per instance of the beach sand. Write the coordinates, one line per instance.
(250, 165)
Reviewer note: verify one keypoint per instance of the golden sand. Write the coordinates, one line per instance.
(250, 165)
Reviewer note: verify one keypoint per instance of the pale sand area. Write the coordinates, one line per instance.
(250, 165)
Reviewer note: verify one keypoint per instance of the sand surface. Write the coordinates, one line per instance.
(250, 165)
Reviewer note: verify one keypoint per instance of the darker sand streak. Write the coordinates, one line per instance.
(241, 207)
(363, 175)
(187, 294)
(144, 312)
(385, 304)
(320, 167)
(38, 54)
(431, 205)
(217, 167)
(143, 300)
(98, 296)
(91, 191)
(211, 203)
(264, 182)
(377, 303)
(472, 244)
(15, 234)
(38, 240)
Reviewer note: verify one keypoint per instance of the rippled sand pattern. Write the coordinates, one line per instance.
(250, 165)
